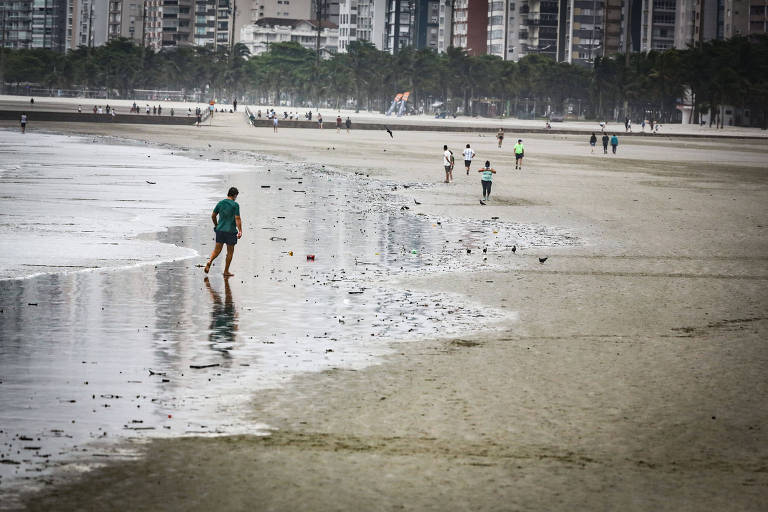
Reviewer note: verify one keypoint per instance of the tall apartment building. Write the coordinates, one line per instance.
(361, 20)
(757, 21)
(470, 26)
(538, 33)
(171, 23)
(503, 29)
(580, 34)
(399, 17)
(16, 24)
(248, 12)
(86, 23)
(330, 10)
(126, 19)
(444, 26)
(258, 36)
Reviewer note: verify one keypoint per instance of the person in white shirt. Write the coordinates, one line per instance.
(447, 163)
(468, 155)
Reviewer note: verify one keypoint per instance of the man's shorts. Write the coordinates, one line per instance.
(225, 237)
(518, 156)
(467, 163)
(447, 168)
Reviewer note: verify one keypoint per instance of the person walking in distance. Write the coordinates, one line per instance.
(605, 143)
(228, 228)
(486, 180)
(23, 122)
(614, 143)
(468, 155)
(274, 124)
(519, 154)
(592, 142)
(447, 156)
(348, 124)
(500, 136)
(338, 124)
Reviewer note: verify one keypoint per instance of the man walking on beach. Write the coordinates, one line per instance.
(274, 124)
(23, 122)
(348, 123)
(447, 158)
(468, 155)
(338, 124)
(500, 136)
(592, 142)
(228, 229)
(605, 143)
(519, 154)
(614, 143)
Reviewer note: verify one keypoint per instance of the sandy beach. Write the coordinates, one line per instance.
(630, 376)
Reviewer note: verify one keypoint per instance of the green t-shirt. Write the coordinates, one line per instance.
(518, 149)
(227, 210)
(487, 175)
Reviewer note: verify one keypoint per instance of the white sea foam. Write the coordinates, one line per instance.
(74, 203)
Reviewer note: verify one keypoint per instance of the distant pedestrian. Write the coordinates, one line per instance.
(500, 136)
(626, 124)
(605, 143)
(348, 123)
(602, 126)
(592, 142)
(338, 124)
(154, 110)
(228, 228)
(519, 154)
(629, 125)
(469, 154)
(148, 109)
(447, 158)
(171, 111)
(79, 109)
(95, 109)
(159, 110)
(234, 104)
(274, 124)
(614, 143)
(486, 180)
(642, 125)
(23, 122)
(320, 120)
(100, 110)
(32, 101)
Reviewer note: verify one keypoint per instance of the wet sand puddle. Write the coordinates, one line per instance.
(152, 351)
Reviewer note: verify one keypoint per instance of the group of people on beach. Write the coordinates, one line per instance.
(487, 172)
(614, 140)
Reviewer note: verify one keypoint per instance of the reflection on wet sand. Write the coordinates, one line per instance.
(223, 327)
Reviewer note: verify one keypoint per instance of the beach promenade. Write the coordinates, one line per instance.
(629, 376)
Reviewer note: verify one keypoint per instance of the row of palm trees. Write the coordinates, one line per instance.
(716, 73)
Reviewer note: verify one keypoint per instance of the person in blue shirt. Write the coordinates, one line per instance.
(228, 228)
(614, 143)
(486, 181)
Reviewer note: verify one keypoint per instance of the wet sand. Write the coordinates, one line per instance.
(633, 378)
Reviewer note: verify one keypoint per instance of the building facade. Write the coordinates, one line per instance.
(247, 12)
(361, 20)
(126, 19)
(470, 26)
(258, 36)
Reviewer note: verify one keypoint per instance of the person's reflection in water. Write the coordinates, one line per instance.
(223, 328)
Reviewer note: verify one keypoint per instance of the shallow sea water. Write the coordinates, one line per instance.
(89, 357)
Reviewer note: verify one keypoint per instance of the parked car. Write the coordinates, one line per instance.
(556, 117)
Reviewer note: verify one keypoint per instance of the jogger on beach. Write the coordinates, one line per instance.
(468, 155)
(519, 154)
(486, 180)
(228, 228)
(500, 136)
(23, 122)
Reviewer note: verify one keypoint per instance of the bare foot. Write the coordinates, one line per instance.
(228, 274)
(207, 267)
